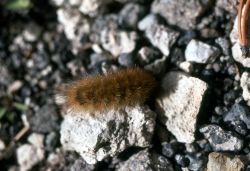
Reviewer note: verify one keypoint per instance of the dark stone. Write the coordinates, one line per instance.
(224, 44)
(197, 162)
(168, 150)
(220, 139)
(145, 160)
(147, 55)
(126, 59)
(239, 126)
(45, 119)
(51, 141)
(238, 112)
(230, 97)
(182, 160)
(130, 15)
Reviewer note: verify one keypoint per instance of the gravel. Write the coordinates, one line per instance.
(45, 120)
(200, 52)
(220, 139)
(201, 104)
(145, 160)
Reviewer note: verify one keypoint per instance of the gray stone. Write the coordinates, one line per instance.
(97, 58)
(126, 59)
(237, 55)
(32, 32)
(238, 112)
(75, 26)
(28, 156)
(199, 52)
(144, 160)
(162, 37)
(220, 139)
(224, 44)
(118, 41)
(158, 66)
(130, 14)
(146, 55)
(159, 35)
(147, 22)
(2, 145)
(36, 140)
(245, 84)
(45, 119)
(100, 135)
(225, 162)
(181, 13)
(91, 7)
(179, 104)
(228, 5)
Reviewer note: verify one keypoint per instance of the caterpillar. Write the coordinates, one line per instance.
(115, 90)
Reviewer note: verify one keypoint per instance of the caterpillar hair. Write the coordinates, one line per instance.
(126, 87)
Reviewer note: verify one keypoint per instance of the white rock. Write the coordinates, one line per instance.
(237, 55)
(234, 33)
(199, 52)
(147, 22)
(118, 42)
(186, 66)
(161, 37)
(96, 137)
(32, 32)
(2, 145)
(36, 140)
(75, 26)
(90, 7)
(179, 104)
(245, 84)
(28, 156)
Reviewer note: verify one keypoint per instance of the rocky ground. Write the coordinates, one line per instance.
(199, 119)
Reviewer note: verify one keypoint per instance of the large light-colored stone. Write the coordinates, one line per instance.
(108, 133)
(200, 52)
(179, 104)
(224, 162)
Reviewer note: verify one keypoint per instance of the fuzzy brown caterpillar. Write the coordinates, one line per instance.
(127, 87)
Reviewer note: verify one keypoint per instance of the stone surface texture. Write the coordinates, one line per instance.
(97, 136)
(179, 104)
